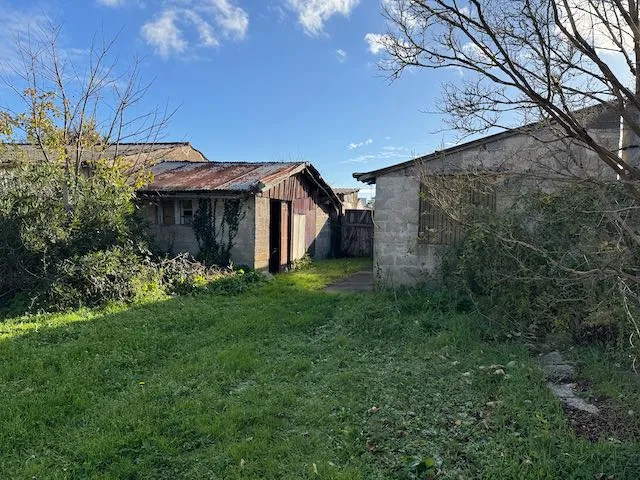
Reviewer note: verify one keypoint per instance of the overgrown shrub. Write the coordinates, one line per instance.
(118, 274)
(182, 275)
(554, 262)
(46, 220)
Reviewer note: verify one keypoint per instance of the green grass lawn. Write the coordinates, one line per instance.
(283, 381)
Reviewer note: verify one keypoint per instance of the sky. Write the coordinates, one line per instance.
(262, 80)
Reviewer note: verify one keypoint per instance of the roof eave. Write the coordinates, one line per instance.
(370, 177)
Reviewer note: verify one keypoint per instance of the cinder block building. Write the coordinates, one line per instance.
(410, 233)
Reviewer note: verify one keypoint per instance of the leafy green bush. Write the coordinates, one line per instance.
(240, 281)
(66, 243)
(47, 219)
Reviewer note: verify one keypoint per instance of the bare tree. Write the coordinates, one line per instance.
(79, 106)
(557, 63)
(528, 59)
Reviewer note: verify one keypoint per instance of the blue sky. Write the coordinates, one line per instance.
(263, 80)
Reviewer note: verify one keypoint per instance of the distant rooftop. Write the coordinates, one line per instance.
(145, 152)
(346, 191)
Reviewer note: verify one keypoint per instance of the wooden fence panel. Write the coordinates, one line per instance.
(357, 233)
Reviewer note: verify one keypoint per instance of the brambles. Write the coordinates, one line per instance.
(552, 263)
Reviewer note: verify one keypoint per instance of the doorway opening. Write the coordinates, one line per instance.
(279, 235)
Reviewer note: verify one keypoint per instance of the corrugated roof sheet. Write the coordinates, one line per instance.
(220, 176)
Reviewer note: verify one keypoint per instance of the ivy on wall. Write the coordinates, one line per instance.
(216, 236)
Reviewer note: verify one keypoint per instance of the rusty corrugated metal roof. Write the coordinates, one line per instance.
(220, 176)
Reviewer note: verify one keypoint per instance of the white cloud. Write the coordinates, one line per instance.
(164, 35)
(361, 159)
(205, 30)
(597, 23)
(111, 3)
(342, 55)
(353, 145)
(388, 153)
(208, 20)
(312, 14)
(391, 148)
(474, 52)
(376, 42)
(233, 21)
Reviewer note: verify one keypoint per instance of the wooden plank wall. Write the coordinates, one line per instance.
(305, 200)
(307, 207)
(285, 253)
(292, 188)
(357, 233)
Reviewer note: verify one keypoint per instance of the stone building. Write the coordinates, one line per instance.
(410, 233)
(286, 209)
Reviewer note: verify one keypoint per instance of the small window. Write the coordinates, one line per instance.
(186, 212)
(438, 228)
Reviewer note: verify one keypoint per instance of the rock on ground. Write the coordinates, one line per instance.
(566, 393)
(560, 373)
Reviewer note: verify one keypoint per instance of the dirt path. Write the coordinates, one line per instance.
(357, 283)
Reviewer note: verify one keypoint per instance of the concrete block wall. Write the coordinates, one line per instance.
(175, 238)
(399, 256)
(243, 251)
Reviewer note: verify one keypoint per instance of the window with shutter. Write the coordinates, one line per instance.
(438, 228)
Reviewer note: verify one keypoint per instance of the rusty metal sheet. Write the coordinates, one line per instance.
(218, 176)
